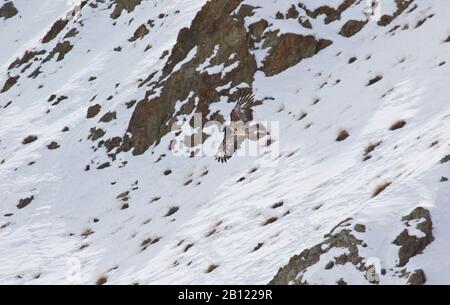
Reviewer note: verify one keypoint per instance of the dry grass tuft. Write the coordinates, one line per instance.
(397, 125)
(342, 135)
(379, 188)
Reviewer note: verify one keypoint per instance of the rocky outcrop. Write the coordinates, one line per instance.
(331, 14)
(54, 31)
(128, 5)
(212, 26)
(412, 241)
(352, 27)
(140, 33)
(417, 277)
(411, 245)
(289, 49)
(292, 273)
(8, 10)
(24, 202)
(402, 5)
(62, 48)
(26, 58)
(93, 111)
(10, 82)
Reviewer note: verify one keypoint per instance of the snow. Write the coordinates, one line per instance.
(311, 169)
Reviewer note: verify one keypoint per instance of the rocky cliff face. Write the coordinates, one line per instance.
(350, 188)
(217, 35)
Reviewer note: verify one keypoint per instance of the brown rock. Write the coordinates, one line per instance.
(402, 5)
(108, 117)
(93, 111)
(53, 145)
(288, 50)
(26, 58)
(62, 48)
(417, 278)
(24, 202)
(29, 139)
(351, 27)
(96, 133)
(113, 143)
(360, 228)
(291, 273)
(10, 82)
(140, 33)
(54, 31)
(128, 5)
(292, 13)
(257, 29)
(410, 246)
(8, 10)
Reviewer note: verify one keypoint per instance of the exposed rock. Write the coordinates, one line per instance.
(140, 33)
(104, 165)
(96, 133)
(24, 202)
(8, 10)
(93, 111)
(35, 73)
(360, 228)
(351, 27)
(402, 5)
(445, 159)
(112, 143)
(298, 264)
(410, 246)
(108, 117)
(10, 82)
(53, 145)
(289, 49)
(342, 135)
(305, 22)
(72, 33)
(62, 48)
(331, 14)
(101, 280)
(171, 211)
(279, 15)
(29, 139)
(213, 25)
(417, 277)
(257, 29)
(128, 5)
(374, 80)
(292, 13)
(397, 125)
(54, 31)
(26, 58)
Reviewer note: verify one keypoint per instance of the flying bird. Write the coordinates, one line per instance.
(236, 133)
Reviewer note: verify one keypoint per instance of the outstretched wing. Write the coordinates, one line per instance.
(230, 144)
(243, 111)
(233, 139)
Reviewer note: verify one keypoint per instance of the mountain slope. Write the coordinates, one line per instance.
(96, 187)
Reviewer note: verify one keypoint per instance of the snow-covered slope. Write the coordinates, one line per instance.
(354, 175)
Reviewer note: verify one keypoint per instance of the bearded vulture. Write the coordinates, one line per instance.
(236, 133)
